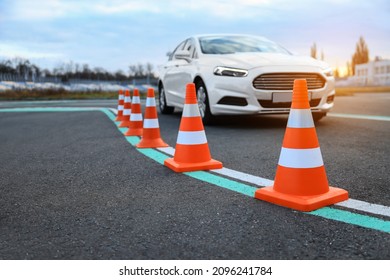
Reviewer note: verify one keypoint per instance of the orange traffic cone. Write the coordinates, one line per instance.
(192, 151)
(126, 110)
(135, 126)
(121, 98)
(300, 181)
(151, 137)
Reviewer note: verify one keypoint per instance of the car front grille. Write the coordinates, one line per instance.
(285, 81)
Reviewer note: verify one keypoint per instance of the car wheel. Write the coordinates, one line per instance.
(162, 102)
(318, 116)
(203, 102)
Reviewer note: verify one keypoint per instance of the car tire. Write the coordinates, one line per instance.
(203, 103)
(162, 102)
(318, 116)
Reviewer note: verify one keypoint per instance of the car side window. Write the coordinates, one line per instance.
(179, 47)
(190, 46)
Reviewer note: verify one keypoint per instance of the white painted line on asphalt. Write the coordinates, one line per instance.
(263, 182)
(365, 207)
(244, 177)
(360, 117)
(167, 150)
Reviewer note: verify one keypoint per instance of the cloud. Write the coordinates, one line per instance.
(9, 50)
(54, 9)
(113, 33)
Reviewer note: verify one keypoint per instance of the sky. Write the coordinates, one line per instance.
(114, 34)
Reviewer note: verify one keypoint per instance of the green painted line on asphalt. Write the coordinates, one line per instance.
(352, 218)
(326, 212)
(123, 129)
(223, 182)
(133, 140)
(109, 114)
(153, 154)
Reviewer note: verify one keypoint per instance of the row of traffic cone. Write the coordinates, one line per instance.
(300, 181)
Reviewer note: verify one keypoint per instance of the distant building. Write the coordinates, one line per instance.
(374, 73)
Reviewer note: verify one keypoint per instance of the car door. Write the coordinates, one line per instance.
(179, 72)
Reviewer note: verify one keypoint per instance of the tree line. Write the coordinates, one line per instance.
(360, 56)
(23, 69)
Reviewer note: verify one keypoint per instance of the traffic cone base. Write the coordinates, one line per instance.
(305, 203)
(186, 167)
(152, 143)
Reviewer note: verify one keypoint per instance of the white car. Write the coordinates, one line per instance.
(241, 74)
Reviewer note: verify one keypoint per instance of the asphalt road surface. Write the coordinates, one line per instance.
(73, 187)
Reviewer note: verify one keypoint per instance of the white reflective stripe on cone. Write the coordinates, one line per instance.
(127, 112)
(136, 100)
(191, 137)
(127, 99)
(191, 110)
(136, 117)
(121, 97)
(300, 118)
(150, 102)
(301, 158)
(120, 107)
(151, 123)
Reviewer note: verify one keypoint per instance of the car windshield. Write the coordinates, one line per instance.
(238, 44)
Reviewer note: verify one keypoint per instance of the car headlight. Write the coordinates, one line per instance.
(231, 72)
(328, 72)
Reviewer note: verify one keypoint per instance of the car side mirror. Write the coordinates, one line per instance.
(183, 54)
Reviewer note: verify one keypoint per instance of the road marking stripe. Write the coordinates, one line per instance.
(300, 118)
(352, 218)
(223, 182)
(361, 117)
(365, 207)
(263, 182)
(243, 177)
(326, 212)
(167, 150)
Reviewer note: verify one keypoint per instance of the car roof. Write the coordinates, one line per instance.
(197, 36)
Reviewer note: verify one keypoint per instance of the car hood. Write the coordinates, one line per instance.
(254, 60)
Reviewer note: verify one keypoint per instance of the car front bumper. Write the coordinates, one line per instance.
(238, 96)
